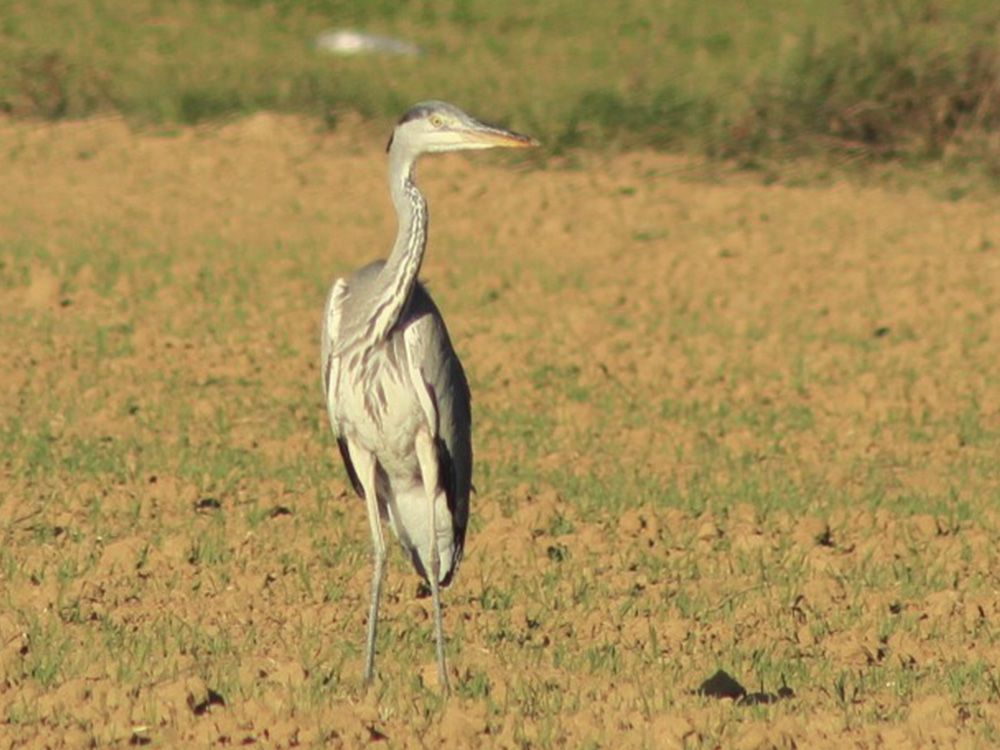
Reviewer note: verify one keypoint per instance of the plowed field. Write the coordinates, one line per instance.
(718, 425)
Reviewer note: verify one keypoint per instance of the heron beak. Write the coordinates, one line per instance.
(490, 137)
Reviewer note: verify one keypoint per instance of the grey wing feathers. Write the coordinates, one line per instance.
(445, 379)
(338, 316)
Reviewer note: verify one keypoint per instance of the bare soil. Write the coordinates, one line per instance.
(795, 387)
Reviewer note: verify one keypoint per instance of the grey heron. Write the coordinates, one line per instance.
(396, 393)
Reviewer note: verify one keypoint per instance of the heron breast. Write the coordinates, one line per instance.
(380, 409)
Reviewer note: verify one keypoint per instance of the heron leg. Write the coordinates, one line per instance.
(438, 619)
(364, 462)
(427, 457)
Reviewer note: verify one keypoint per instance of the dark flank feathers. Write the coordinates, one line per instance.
(345, 454)
(459, 511)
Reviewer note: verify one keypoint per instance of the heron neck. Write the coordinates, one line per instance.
(400, 272)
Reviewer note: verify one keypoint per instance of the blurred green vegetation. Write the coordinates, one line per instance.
(885, 79)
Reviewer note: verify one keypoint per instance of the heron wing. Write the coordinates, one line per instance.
(444, 394)
(330, 369)
(332, 322)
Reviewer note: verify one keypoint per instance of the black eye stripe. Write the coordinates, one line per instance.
(414, 114)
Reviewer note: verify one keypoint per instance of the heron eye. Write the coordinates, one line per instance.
(437, 121)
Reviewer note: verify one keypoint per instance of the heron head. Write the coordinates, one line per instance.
(430, 127)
